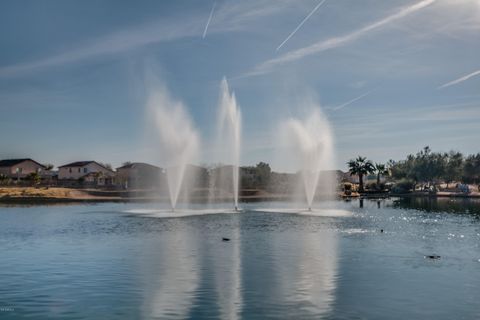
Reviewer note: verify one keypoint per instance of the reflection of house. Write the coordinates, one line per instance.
(88, 171)
(20, 168)
(139, 175)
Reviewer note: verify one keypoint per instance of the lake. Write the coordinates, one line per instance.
(124, 261)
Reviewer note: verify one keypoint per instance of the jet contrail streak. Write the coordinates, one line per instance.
(301, 23)
(456, 81)
(351, 101)
(208, 21)
(336, 42)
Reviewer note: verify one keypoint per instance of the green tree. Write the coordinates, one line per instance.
(453, 167)
(380, 170)
(34, 178)
(360, 166)
(4, 179)
(48, 166)
(263, 172)
(427, 166)
(471, 169)
(106, 165)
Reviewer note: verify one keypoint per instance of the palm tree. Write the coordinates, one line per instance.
(360, 166)
(380, 169)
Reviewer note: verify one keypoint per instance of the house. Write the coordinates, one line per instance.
(98, 178)
(20, 168)
(139, 175)
(87, 171)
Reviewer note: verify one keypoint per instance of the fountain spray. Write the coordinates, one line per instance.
(313, 142)
(230, 123)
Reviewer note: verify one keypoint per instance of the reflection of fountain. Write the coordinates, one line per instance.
(230, 131)
(308, 277)
(313, 143)
(171, 293)
(178, 140)
(228, 276)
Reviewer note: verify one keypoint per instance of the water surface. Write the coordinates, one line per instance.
(108, 261)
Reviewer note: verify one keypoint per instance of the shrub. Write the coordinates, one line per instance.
(34, 178)
(403, 186)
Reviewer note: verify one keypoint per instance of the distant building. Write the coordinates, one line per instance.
(88, 171)
(20, 168)
(98, 178)
(139, 175)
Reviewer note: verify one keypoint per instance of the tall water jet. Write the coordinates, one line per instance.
(230, 127)
(312, 140)
(178, 141)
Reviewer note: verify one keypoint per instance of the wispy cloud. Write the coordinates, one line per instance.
(114, 43)
(335, 42)
(231, 16)
(208, 21)
(301, 24)
(350, 101)
(461, 79)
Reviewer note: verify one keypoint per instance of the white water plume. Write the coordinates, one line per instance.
(178, 141)
(312, 141)
(230, 127)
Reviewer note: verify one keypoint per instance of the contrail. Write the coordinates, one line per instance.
(352, 101)
(208, 21)
(336, 42)
(457, 81)
(301, 23)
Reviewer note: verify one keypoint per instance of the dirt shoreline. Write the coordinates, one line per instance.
(33, 196)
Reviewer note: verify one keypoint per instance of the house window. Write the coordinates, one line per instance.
(79, 169)
(84, 170)
(70, 170)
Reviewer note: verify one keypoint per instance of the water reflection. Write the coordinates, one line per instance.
(434, 204)
(228, 275)
(316, 272)
(171, 276)
(307, 274)
(106, 265)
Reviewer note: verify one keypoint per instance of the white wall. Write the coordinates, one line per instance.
(78, 172)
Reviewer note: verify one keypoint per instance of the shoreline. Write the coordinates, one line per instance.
(84, 197)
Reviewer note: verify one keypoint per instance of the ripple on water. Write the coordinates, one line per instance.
(167, 213)
(304, 212)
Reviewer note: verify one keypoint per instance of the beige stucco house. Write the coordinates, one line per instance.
(139, 175)
(20, 168)
(86, 170)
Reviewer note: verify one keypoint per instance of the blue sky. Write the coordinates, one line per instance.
(391, 76)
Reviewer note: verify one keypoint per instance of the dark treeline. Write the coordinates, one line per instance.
(432, 168)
